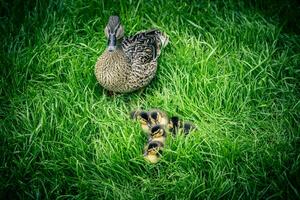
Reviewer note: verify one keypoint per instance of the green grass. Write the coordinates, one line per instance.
(232, 68)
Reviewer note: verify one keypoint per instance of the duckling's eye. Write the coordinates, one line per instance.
(143, 121)
(155, 133)
(151, 150)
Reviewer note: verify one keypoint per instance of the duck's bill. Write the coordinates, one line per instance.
(112, 43)
(111, 48)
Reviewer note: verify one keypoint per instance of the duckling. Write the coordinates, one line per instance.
(188, 127)
(128, 64)
(175, 125)
(143, 118)
(153, 151)
(158, 117)
(158, 133)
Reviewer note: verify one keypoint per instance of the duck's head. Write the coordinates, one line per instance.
(157, 131)
(114, 32)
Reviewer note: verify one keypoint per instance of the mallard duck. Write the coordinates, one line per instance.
(158, 133)
(176, 125)
(128, 64)
(153, 151)
(158, 117)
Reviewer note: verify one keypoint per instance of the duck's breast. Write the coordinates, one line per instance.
(112, 70)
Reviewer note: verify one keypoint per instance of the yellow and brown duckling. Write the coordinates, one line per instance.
(158, 133)
(176, 125)
(143, 118)
(158, 117)
(153, 151)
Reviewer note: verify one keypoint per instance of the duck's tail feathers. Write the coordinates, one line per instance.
(163, 38)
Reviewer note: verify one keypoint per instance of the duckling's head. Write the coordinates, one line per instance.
(188, 127)
(156, 117)
(174, 122)
(153, 151)
(157, 131)
(114, 32)
(143, 117)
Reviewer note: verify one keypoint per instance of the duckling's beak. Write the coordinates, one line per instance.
(112, 42)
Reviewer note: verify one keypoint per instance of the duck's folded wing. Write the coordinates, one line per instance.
(144, 47)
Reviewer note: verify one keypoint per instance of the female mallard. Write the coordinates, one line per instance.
(128, 64)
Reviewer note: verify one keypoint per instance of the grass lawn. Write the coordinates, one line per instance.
(231, 67)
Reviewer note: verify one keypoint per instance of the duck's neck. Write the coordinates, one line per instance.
(118, 47)
(114, 58)
(116, 52)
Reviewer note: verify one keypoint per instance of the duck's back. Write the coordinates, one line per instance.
(142, 51)
(144, 47)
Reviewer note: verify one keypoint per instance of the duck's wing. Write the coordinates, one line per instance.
(144, 47)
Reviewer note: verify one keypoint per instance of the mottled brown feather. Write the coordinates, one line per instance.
(133, 65)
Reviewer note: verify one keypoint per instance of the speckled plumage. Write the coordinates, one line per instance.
(112, 70)
(133, 64)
